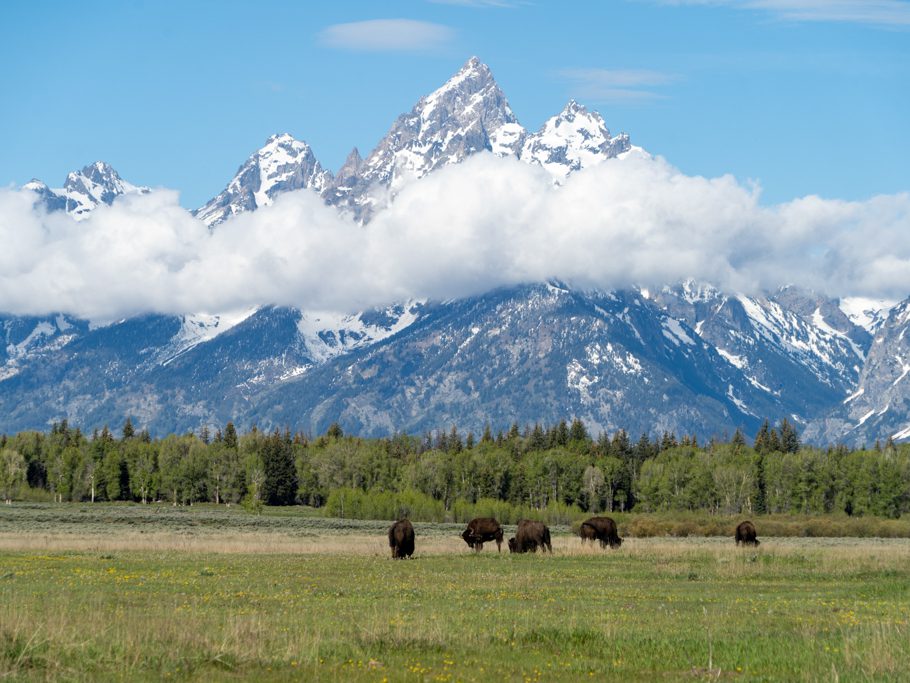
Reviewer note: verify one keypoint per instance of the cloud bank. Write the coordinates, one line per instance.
(462, 230)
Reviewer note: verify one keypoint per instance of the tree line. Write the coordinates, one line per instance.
(558, 467)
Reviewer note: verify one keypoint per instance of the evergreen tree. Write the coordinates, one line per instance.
(279, 484)
(578, 432)
(538, 440)
(774, 444)
(620, 446)
(128, 431)
(560, 435)
(230, 436)
(454, 441)
(789, 438)
(738, 442)
(487, 436)
(334, 431)
(762, 443)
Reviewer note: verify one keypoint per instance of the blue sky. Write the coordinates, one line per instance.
(803, 96)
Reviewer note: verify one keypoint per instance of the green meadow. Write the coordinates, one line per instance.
(156, 593)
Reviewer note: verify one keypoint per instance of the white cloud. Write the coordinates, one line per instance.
(460, 231)
(615, 85)
(882, 13)
(388, 35)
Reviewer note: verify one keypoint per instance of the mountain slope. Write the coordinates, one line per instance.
(799, 348)
(535, 353)
(880, 406)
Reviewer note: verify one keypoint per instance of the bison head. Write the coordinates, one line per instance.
(468, 538)
(513, 545)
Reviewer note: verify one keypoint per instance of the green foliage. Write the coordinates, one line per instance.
(536, 469)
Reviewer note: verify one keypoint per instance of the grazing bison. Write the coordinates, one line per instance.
(530, 536)
(401, 539)
(481, 529)
(602, 529)
(745, 534)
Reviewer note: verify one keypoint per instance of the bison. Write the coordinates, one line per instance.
(401, 539)
(530, 536)
(602, 529)
(481, 529)
(745, 534)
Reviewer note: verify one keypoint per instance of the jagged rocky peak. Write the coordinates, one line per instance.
(282, 164)
(468, 114)
(573, 139)
(346, 178)
(84, 190)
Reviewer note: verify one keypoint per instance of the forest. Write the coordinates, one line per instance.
(550, 472)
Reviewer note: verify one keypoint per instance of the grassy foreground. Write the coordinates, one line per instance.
(328, 605)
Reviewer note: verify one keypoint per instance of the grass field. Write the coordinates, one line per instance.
(124, 592)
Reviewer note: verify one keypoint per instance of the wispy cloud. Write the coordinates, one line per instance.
(615, 85)
(882, 13)
(481, 4)
(387, 35)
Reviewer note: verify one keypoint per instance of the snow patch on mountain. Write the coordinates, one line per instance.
(867, 313)
(199, 328)
(327, 334)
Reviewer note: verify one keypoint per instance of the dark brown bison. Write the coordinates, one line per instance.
(401, 539)
(530, 536)
(602, 529)
(745, 534)
(481, 529)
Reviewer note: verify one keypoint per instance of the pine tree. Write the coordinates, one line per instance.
(334, 431)
(578, 432)
(774, 441)
(789, 438)
(230, 436)
(560, 434)
(454, 441)
(279, 485)
(738, 442)
(762, 439)
(487, 436)
(128, 431)
(538, 440)
(620, 446)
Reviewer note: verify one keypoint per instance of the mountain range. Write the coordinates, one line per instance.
(688, 358)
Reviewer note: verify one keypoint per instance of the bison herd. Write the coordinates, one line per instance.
(532, 535)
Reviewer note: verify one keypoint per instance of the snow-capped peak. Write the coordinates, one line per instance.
(84, 190)
(282, 164)
(467, 114)
(573, 139)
